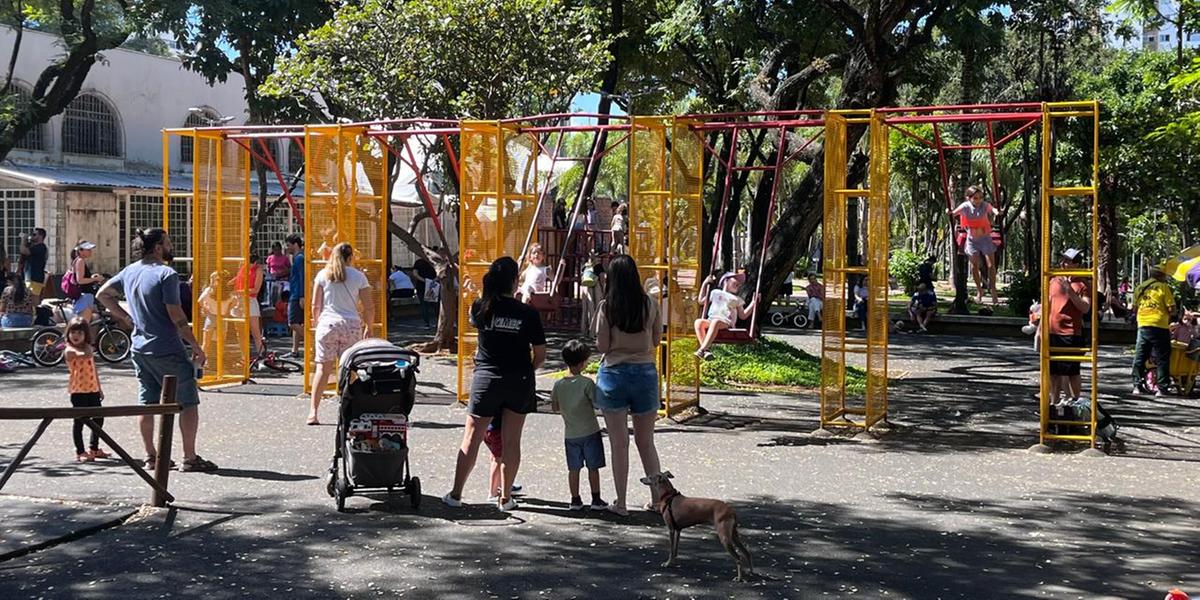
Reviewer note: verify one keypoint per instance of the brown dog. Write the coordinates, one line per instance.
(679, 511)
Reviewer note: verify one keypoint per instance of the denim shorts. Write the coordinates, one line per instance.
(628, 386)
(587, 450)
(150, 369)
(84, 302)
(16, 320)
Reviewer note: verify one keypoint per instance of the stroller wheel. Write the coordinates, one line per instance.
(414, 492)
(340, 492)
(330, 482)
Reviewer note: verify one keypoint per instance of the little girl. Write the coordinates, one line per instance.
(725, 308)
(534, 278)
(83, 385)
(210, 306)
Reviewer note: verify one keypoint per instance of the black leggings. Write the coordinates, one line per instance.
(87, 400)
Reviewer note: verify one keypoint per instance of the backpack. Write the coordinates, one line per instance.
(70, 285)
(433, 290)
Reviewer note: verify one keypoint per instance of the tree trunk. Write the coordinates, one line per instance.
(960, 267)
(608, 87)
(1108, 262)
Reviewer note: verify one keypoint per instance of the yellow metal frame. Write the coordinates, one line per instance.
(685, 222)
(220, 244)
(498, 183)
(346, 200)
(837, 410)
(1089, 193)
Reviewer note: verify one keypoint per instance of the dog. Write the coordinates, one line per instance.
(679, 512)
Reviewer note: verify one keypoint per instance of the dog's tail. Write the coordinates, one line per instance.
(737, 540)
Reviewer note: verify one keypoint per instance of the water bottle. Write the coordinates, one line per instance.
(199, 370)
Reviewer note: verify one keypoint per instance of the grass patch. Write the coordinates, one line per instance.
(764, 363)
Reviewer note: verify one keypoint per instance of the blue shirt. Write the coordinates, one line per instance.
(148, 289)
(924, 299)
(296, 277)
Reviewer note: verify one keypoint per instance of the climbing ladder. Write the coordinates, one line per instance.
(1087, 191)
(839, 409)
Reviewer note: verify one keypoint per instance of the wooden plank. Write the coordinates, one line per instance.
(70, 412)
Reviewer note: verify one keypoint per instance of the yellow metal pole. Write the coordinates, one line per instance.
(1095, 312)
(1044, 330)
(216, 158)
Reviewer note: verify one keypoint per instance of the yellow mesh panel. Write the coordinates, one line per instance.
(321, 224)
(221, 218)
(520, 190)
(683, 240)
(878, 241)
(481, 228)
(364, 216)
(833, 233)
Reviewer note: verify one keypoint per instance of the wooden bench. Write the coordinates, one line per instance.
(160, 496)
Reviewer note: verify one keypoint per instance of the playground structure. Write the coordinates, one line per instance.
(343, 199)
(836, 345)
(505, 189)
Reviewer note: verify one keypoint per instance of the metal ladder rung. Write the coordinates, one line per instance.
(1070, 273)
(852, 192)
(1073, 191)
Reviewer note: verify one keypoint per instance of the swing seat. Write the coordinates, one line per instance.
(543, 302)
(734, 335)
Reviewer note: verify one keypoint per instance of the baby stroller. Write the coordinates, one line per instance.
(376, 389)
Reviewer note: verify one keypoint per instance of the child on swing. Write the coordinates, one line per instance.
(725, 308)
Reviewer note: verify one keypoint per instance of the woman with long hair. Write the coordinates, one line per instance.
(88, 282)
(512, 345)
(628, 330)
(16, 303)
(338, 290)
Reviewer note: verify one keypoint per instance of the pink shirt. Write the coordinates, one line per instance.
(277, 264)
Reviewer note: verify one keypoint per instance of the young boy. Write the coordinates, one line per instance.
(573, 397)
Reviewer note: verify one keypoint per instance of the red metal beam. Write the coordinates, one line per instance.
(964, 118)
(949, 107)
(724, 125)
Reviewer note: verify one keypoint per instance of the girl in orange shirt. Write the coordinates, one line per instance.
(83, 384)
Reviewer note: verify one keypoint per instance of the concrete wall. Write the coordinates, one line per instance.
(148, 92)
(92, 216)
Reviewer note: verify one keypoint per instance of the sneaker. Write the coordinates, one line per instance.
(98, 453)
(84, 457)
(1160, 393)
(576, 504)
(620, 511)
(700, 354)
(707, 356)
(292, 355)
(196, 464)
(451, 501)
(598, 504)
(516, 488)
(509, 506)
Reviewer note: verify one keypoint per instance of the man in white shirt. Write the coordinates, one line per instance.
(400, 284)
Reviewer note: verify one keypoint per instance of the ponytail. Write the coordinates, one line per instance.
(497, 282)
(339, 261)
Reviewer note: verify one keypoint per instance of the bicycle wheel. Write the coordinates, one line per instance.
(113, 345)
(283, 365)
(799, 321)
(47, 347)
(777, 318)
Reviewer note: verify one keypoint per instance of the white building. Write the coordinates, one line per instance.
(1166, 36)
(94, 171)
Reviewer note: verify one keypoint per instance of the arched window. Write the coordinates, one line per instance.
(295, 157)
(90, 126)
(35, 138)
(187, 145)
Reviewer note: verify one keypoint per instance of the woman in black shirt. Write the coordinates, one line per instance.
(511, 347)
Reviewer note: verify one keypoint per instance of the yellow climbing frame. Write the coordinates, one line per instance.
(665, 197)
(346, 200)
(498, 206)
(838, 408)
(220, 248)
(1086, 191)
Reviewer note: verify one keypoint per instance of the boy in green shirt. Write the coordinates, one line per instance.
(572, 397)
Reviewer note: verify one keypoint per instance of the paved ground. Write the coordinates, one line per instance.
(949, 506)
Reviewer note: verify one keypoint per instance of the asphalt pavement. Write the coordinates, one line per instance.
(951, 504)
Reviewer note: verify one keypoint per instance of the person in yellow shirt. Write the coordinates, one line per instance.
(1153, 302)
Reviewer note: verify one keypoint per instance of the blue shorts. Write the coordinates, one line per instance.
(16, 320)
(631, 387)
(84, 302)
(295, 314)
(150, 369)
(587, 450)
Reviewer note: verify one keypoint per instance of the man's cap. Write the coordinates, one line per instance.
(1072, 254)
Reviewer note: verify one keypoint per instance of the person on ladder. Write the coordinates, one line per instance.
(725, 308)
(975, 215)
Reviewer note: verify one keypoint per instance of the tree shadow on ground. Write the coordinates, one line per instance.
(1066, 545)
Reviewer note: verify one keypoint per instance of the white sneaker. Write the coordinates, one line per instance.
(451, 501)
(493, 499)
(509, 506)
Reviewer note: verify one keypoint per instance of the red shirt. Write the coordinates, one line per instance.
(1064, 317)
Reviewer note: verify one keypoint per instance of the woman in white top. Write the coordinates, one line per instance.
(337, 292)
(534, 278)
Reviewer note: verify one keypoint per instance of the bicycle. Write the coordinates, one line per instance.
(274, 361)
(794, 314)
(48, 344)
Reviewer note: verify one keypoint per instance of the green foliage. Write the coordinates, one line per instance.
(903, 265)
(444, 58)
(1022, 292)
(764, 363)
